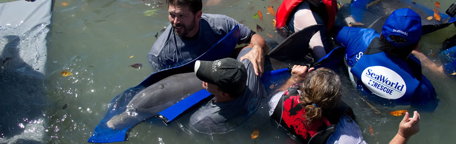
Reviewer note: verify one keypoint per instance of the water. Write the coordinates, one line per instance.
(97, 41)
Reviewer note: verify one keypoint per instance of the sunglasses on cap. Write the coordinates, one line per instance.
(397, 39)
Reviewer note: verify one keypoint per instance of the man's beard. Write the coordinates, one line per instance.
(182, 30)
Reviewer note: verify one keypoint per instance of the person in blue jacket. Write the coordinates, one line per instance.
(381, 64)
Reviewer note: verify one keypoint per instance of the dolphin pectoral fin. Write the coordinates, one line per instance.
(294, 46)
(121, 121)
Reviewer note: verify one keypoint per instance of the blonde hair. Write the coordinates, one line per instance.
(320, 90)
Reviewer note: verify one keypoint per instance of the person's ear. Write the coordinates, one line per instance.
(226, 95)
(199, 14)
(204, 85)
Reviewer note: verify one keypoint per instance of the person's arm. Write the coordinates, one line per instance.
(429, 64)
(298, 73)
(407, 127)
(256, 41)
(256, 55)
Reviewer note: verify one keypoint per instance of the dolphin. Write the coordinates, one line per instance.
(156, 98)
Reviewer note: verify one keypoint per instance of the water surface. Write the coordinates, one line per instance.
(98, 41)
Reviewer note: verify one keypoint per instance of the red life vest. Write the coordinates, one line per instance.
(293, 117)
(287, 7)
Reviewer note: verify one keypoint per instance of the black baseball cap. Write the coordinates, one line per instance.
(229, 74)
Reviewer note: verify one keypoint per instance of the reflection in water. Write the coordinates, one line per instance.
(22, 97)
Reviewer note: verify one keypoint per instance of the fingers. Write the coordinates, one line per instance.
(260, 66)
(297, 69)
(311, 69)
(416, 117)
(300, 70)
(406, 117)
(255, 68)
(256, 58)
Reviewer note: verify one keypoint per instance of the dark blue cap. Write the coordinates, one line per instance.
(402, 28)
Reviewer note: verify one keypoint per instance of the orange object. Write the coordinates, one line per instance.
(398, 112)
(255, 134)
(260, 14)
(271, 10)
(437, 15)
(437, 4)
(371, 130)
(66, 73)
(64, 4)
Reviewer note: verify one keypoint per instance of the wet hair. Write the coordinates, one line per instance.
(320, 90)
(194, 5)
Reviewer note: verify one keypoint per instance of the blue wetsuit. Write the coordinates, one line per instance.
(390, 79)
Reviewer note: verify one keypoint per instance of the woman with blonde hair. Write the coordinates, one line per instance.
(309, 104)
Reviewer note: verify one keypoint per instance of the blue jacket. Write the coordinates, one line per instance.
(390, 80)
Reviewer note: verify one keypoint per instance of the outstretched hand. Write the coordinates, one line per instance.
(409, 126)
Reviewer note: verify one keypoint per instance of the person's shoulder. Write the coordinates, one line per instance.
(206, 116)
(347, 131)
(354, 30)
(210, 17)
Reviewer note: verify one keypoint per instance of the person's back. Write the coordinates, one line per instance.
(381, 64)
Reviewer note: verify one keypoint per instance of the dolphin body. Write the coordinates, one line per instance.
(155, 98)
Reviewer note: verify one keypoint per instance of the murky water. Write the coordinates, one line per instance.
(98, 40)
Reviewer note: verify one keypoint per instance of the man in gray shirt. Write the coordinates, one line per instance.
(237, 94)
(191, 33)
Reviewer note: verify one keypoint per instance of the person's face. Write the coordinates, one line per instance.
(183, 20)
(219, 95)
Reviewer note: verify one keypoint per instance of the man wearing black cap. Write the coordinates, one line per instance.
(381, 64)
(237, 94)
